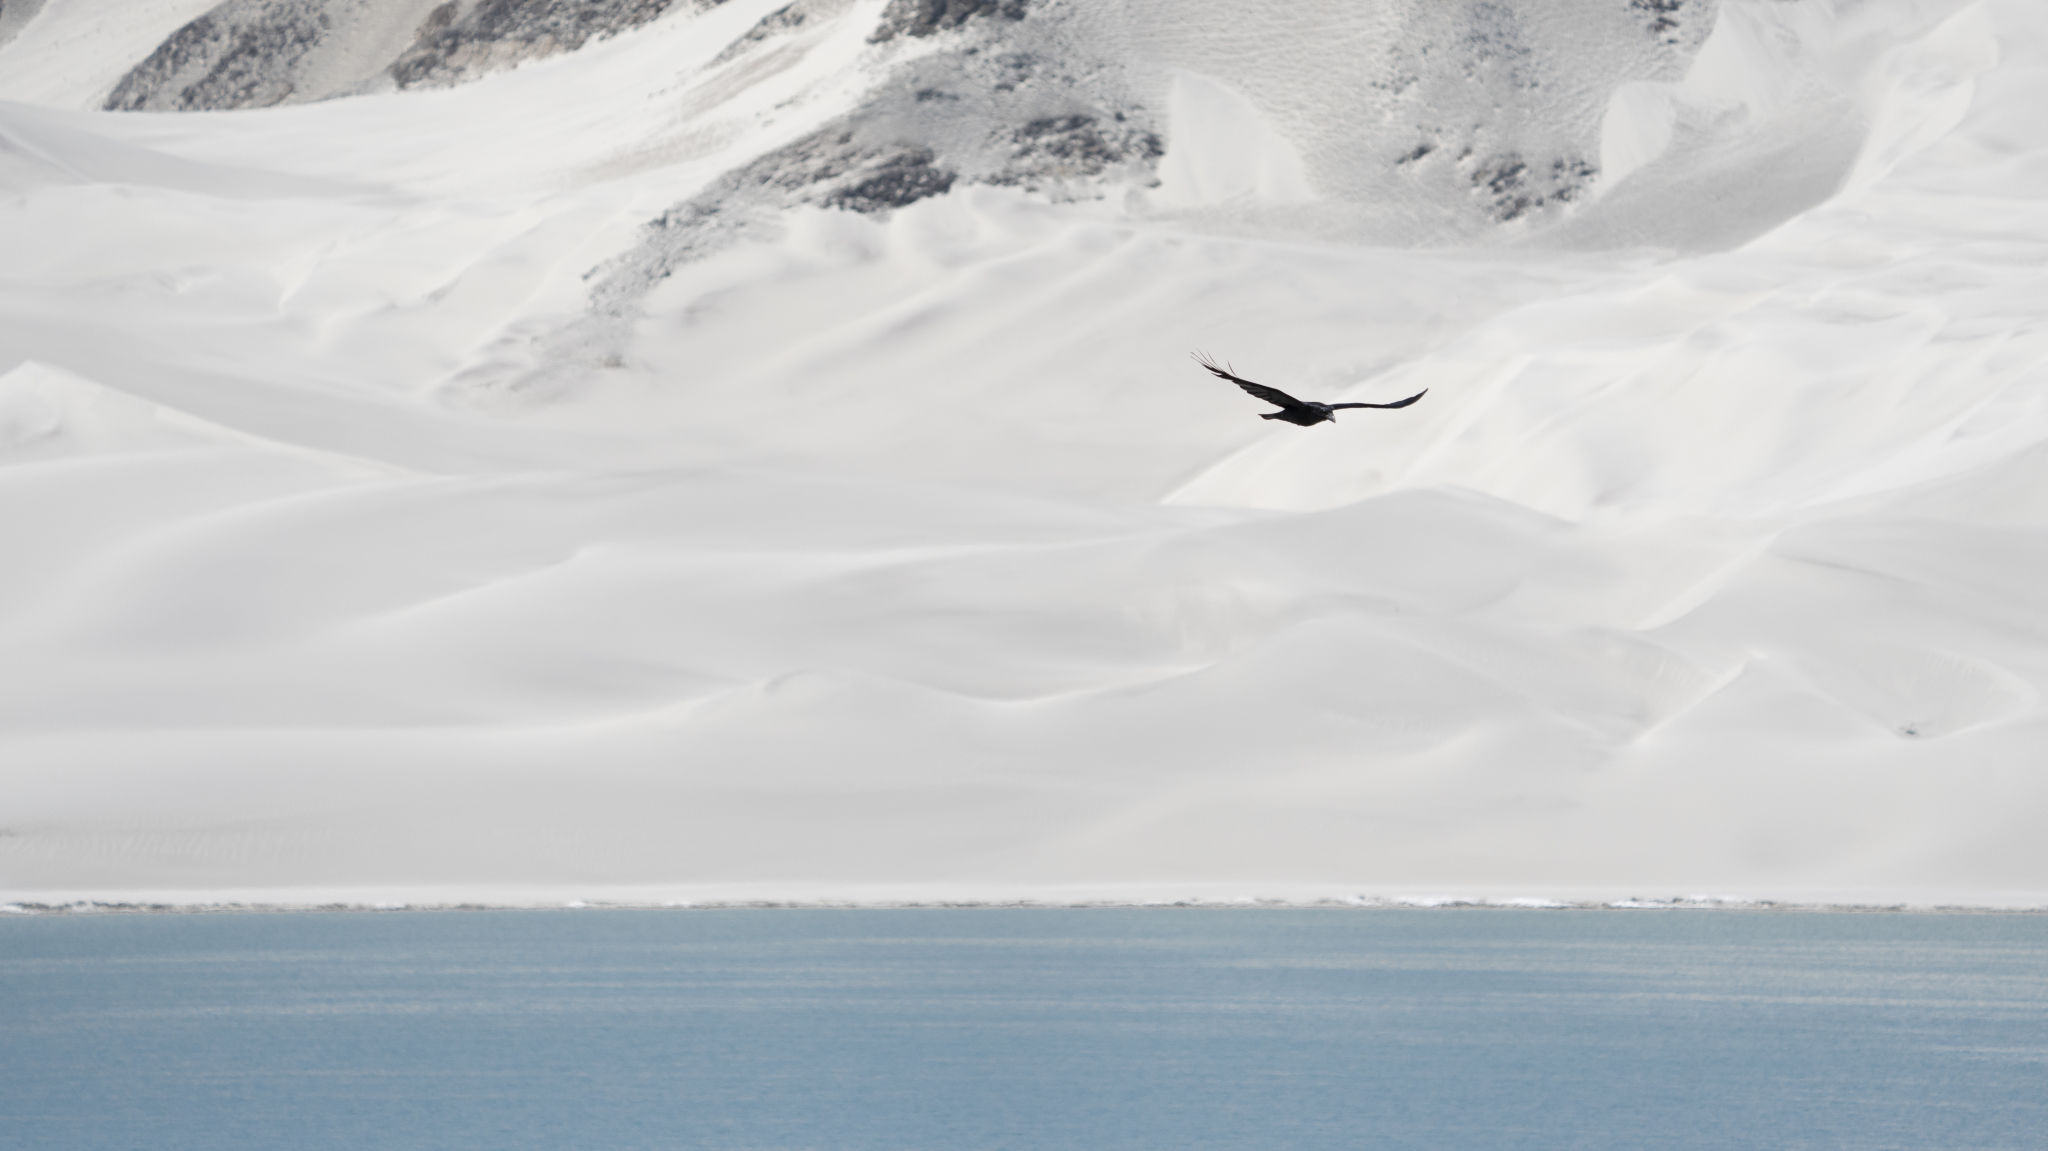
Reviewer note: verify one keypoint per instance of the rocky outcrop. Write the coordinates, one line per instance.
(1665, 19)
(1503, 119)
(1008, 105)
(1512, 188)
(1074, 147)
(782, 21)
(457, 45)
(1011, 103)
(244, 54)
(256, 53)
(926, 17)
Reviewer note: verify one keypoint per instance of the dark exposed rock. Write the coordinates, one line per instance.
(497, 33)
(1075, 146)
(896, 182)
(926, 17)
(1513, 188)
(1012, 70)
(787, 18)
(255, 53)
(1001, 108)
(1503, 175)
(834, 169)
(1488, 114)
(1680, 24)
(964, 115)
(1494, 41)
(1660, 16)
(1007, 106)
(241, 55)
(831, 168)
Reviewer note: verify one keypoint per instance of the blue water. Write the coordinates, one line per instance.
(1039, 1029)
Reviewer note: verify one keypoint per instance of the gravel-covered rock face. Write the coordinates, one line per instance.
(1498, 116)
(1010, 99)
(255, 53)
(1471, 113)
(925, 17)
(457, 45)
(243, 54)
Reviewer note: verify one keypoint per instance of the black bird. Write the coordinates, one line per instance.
(1304, 412)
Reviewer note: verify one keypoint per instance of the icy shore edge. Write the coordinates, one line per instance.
(734, 898)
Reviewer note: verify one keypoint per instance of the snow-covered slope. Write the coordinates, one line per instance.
(750, 449)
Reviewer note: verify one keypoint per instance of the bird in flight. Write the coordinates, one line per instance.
(1307, 413)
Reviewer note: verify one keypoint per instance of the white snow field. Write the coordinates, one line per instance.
(392, 512)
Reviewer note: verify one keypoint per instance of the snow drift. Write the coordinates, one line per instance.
(497, 449)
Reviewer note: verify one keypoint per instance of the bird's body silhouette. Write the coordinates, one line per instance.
(1306, 413)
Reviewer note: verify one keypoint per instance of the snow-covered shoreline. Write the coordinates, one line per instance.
(1102, 896)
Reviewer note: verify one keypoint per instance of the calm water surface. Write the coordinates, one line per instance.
(985, 1029)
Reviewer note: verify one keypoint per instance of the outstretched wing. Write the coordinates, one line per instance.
(1395, 404)
(1270, 395)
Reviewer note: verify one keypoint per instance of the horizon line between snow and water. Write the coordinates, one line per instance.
(740, 898)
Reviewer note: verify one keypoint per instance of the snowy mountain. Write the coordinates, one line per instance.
(748, 448)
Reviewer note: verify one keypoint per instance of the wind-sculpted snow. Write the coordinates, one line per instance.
(754, 455)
